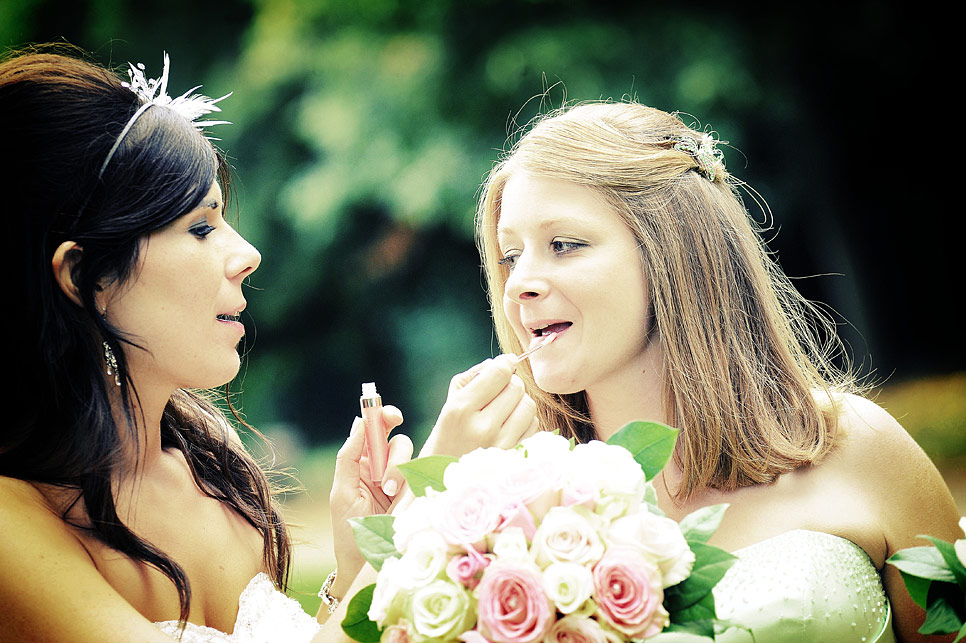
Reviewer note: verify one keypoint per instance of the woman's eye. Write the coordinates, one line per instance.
(201, 231)
(508, 260)
(561, 246)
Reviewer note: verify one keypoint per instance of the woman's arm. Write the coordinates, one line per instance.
(50, 589)
(485, 406)
(911, 499)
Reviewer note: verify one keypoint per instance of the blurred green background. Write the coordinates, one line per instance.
(362, 130)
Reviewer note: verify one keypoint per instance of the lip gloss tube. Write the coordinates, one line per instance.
(371, 406)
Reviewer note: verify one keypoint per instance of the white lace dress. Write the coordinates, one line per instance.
(265, 615)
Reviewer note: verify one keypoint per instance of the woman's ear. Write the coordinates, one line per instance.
(65, 259)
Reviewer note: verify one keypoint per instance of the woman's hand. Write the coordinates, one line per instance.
(486, 406)
(355, 495)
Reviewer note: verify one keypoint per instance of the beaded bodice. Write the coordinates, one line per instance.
(804, 587)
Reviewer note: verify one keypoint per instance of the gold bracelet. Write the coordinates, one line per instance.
(330, 601)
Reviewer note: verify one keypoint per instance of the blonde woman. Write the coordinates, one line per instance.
(617, 228)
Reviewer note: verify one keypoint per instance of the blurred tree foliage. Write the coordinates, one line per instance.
(363, 130)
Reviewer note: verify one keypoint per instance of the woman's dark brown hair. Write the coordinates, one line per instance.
(59, 116)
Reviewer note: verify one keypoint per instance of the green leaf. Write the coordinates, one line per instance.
(962, 633)
(650, 497)
(710, 565)
(423, 473)
(651, 444)
(698, 631)
(924, 562)
(698, 618)
(374, 537)
(945, 612)
(698, 526)
(948, 552)
(356, 623)
(918, 588)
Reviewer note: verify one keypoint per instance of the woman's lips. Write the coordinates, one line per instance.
(557, 327)
(232, 321)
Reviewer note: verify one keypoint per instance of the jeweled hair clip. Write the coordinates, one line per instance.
(153, 92)
(703, 150)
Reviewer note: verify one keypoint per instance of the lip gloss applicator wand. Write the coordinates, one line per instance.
(541, 341)
(378, 445)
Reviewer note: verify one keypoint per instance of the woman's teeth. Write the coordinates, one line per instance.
(229, 317)
(552, 328)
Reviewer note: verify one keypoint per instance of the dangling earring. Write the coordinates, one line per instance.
(111, 363)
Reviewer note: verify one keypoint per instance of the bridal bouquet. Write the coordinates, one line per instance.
(547, 542)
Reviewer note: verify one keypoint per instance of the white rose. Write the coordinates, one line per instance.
(613, 471)
(441, 611)
(511, 545)
(659, 539)
(490, 464)
(568, 535)
(545, 445)
(392, 589)
(414, 520)
(425, 560)
(568, 585)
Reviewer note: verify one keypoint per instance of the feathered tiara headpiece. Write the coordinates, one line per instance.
(154, 92)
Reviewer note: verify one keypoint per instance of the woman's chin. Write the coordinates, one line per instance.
(555, 383)
(217, 376)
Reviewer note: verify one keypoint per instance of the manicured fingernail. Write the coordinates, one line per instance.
(390, 487)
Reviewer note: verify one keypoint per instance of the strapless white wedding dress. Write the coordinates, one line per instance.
(798, 587)
(804, 587)
(265, 615)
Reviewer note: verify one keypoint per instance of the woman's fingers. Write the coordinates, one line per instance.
(516, 424)
(393, 417)
(462, 379)
(504, 403)
(347, 459)
(488, 383)
(534, 427)
(400, 452)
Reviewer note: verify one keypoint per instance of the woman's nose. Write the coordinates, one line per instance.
(244, 258)
(527, 281)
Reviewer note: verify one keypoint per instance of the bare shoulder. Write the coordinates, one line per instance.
(911, 495)
(903, 495)
(21, 503)
(49, 585)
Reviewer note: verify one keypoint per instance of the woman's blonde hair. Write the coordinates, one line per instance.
(748, 371)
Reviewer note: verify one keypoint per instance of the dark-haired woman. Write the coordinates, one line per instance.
(129, 509)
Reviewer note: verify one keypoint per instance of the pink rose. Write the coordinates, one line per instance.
(579, 629)
(399, 633)
(535, 483)
(472, 637)
(465, 516)
(512, 605)
(627, 588)
(466, 569)
(517, 515)
(578, 492)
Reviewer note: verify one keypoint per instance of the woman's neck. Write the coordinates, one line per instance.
(147, 409)
(636, 394)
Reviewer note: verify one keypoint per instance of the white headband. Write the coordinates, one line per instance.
(154, 92)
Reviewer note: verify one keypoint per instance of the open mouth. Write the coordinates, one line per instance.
(233, 318)
(549, 329)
